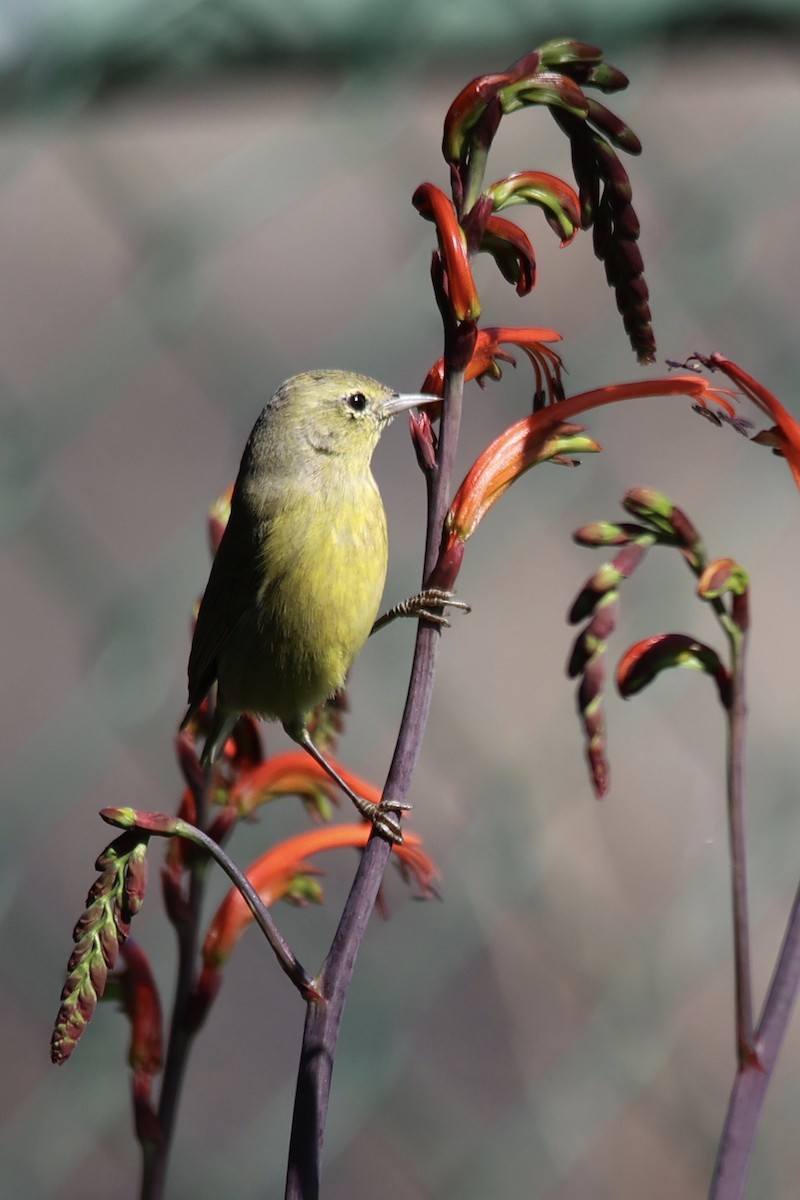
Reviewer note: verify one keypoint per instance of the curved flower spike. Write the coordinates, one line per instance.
(784, 436)
(431, 202)
(560, 57)
(114, 898)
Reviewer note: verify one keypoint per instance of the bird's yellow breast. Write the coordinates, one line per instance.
(323, 570)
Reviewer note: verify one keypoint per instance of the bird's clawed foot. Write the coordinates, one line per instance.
(384, 817)
(427, 605)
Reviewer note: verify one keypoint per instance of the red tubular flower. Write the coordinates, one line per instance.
(273, 874)
(510, 455)
(431, 202)
(488, 355)
(293, 774)
(784, 436)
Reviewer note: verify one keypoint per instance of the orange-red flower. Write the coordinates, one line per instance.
(509, 456)
(488, 355)
(539, 437)
(431, 202)
(294, 773)
(274, 874)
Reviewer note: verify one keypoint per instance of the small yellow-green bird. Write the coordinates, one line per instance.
(297, 580)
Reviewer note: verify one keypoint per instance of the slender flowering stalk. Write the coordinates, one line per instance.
(724, 585)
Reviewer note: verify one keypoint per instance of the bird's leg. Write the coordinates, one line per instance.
(384, 817)
(424, 607)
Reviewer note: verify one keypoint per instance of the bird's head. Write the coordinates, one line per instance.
(329, 413)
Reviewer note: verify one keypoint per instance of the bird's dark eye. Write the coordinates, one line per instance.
(357, 401)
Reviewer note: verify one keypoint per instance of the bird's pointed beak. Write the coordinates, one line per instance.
(401, 402)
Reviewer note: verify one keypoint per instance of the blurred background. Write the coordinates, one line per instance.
(199, 199)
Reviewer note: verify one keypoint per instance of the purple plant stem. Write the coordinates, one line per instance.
(737, 717)
(323, 1017)
(757, 1052)
(750, 1086)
